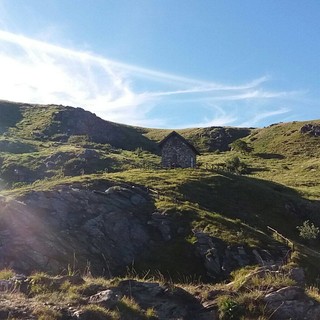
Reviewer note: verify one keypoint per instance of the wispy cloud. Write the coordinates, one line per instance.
(220, 118)
(264, 115)
(41, 72)
(44, 73)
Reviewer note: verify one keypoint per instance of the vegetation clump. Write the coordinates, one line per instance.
(241, 146)
(235, 165)
(308, 231)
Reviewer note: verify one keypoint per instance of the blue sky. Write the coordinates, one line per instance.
(165, 63)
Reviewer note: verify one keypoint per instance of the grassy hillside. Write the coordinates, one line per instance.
(285, 139)
(60, 123)
(279, 188)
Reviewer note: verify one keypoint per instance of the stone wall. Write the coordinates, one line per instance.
(176, 153)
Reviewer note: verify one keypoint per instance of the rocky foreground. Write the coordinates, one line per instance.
(261, 294)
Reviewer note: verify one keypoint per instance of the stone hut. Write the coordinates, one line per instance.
(177, 152)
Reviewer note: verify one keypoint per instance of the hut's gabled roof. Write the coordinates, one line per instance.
(176, 134)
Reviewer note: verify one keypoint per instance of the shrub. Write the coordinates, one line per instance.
(308, 231)
(241, 146)
(151, 314)
(229, 308)
(40, 283)
(236, 165)
(6, 274)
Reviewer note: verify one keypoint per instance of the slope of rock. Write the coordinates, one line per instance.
(110, 229)
(76, 121)
(50, 230)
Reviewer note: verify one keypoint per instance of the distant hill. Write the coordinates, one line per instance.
(297, 138)
(59, 123)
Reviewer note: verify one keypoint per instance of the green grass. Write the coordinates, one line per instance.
(6, 274)
(35, 119)
(46, 300)
(244, 299)
(100, 313)
(285, 139)
(257, 202)
(46, 313)
(281, 188)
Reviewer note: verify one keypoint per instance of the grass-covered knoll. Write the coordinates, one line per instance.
(35, 119)
(299, 173)
(285, 139)
(280, 153)
(59, 123)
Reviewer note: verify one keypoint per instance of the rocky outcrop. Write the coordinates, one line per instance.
(168, 302)
(219, 138)
(51, 230)
(292, 303)
(220, 259)
(70, 121)
(311, 129)
(277, 301)
(163, 223)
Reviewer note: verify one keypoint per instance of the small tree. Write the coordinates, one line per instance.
(240, 146)
(236, 165)
(308, 231)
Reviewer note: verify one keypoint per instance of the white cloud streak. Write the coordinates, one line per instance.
(221, 118)
(264, 115)
(39, 72)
